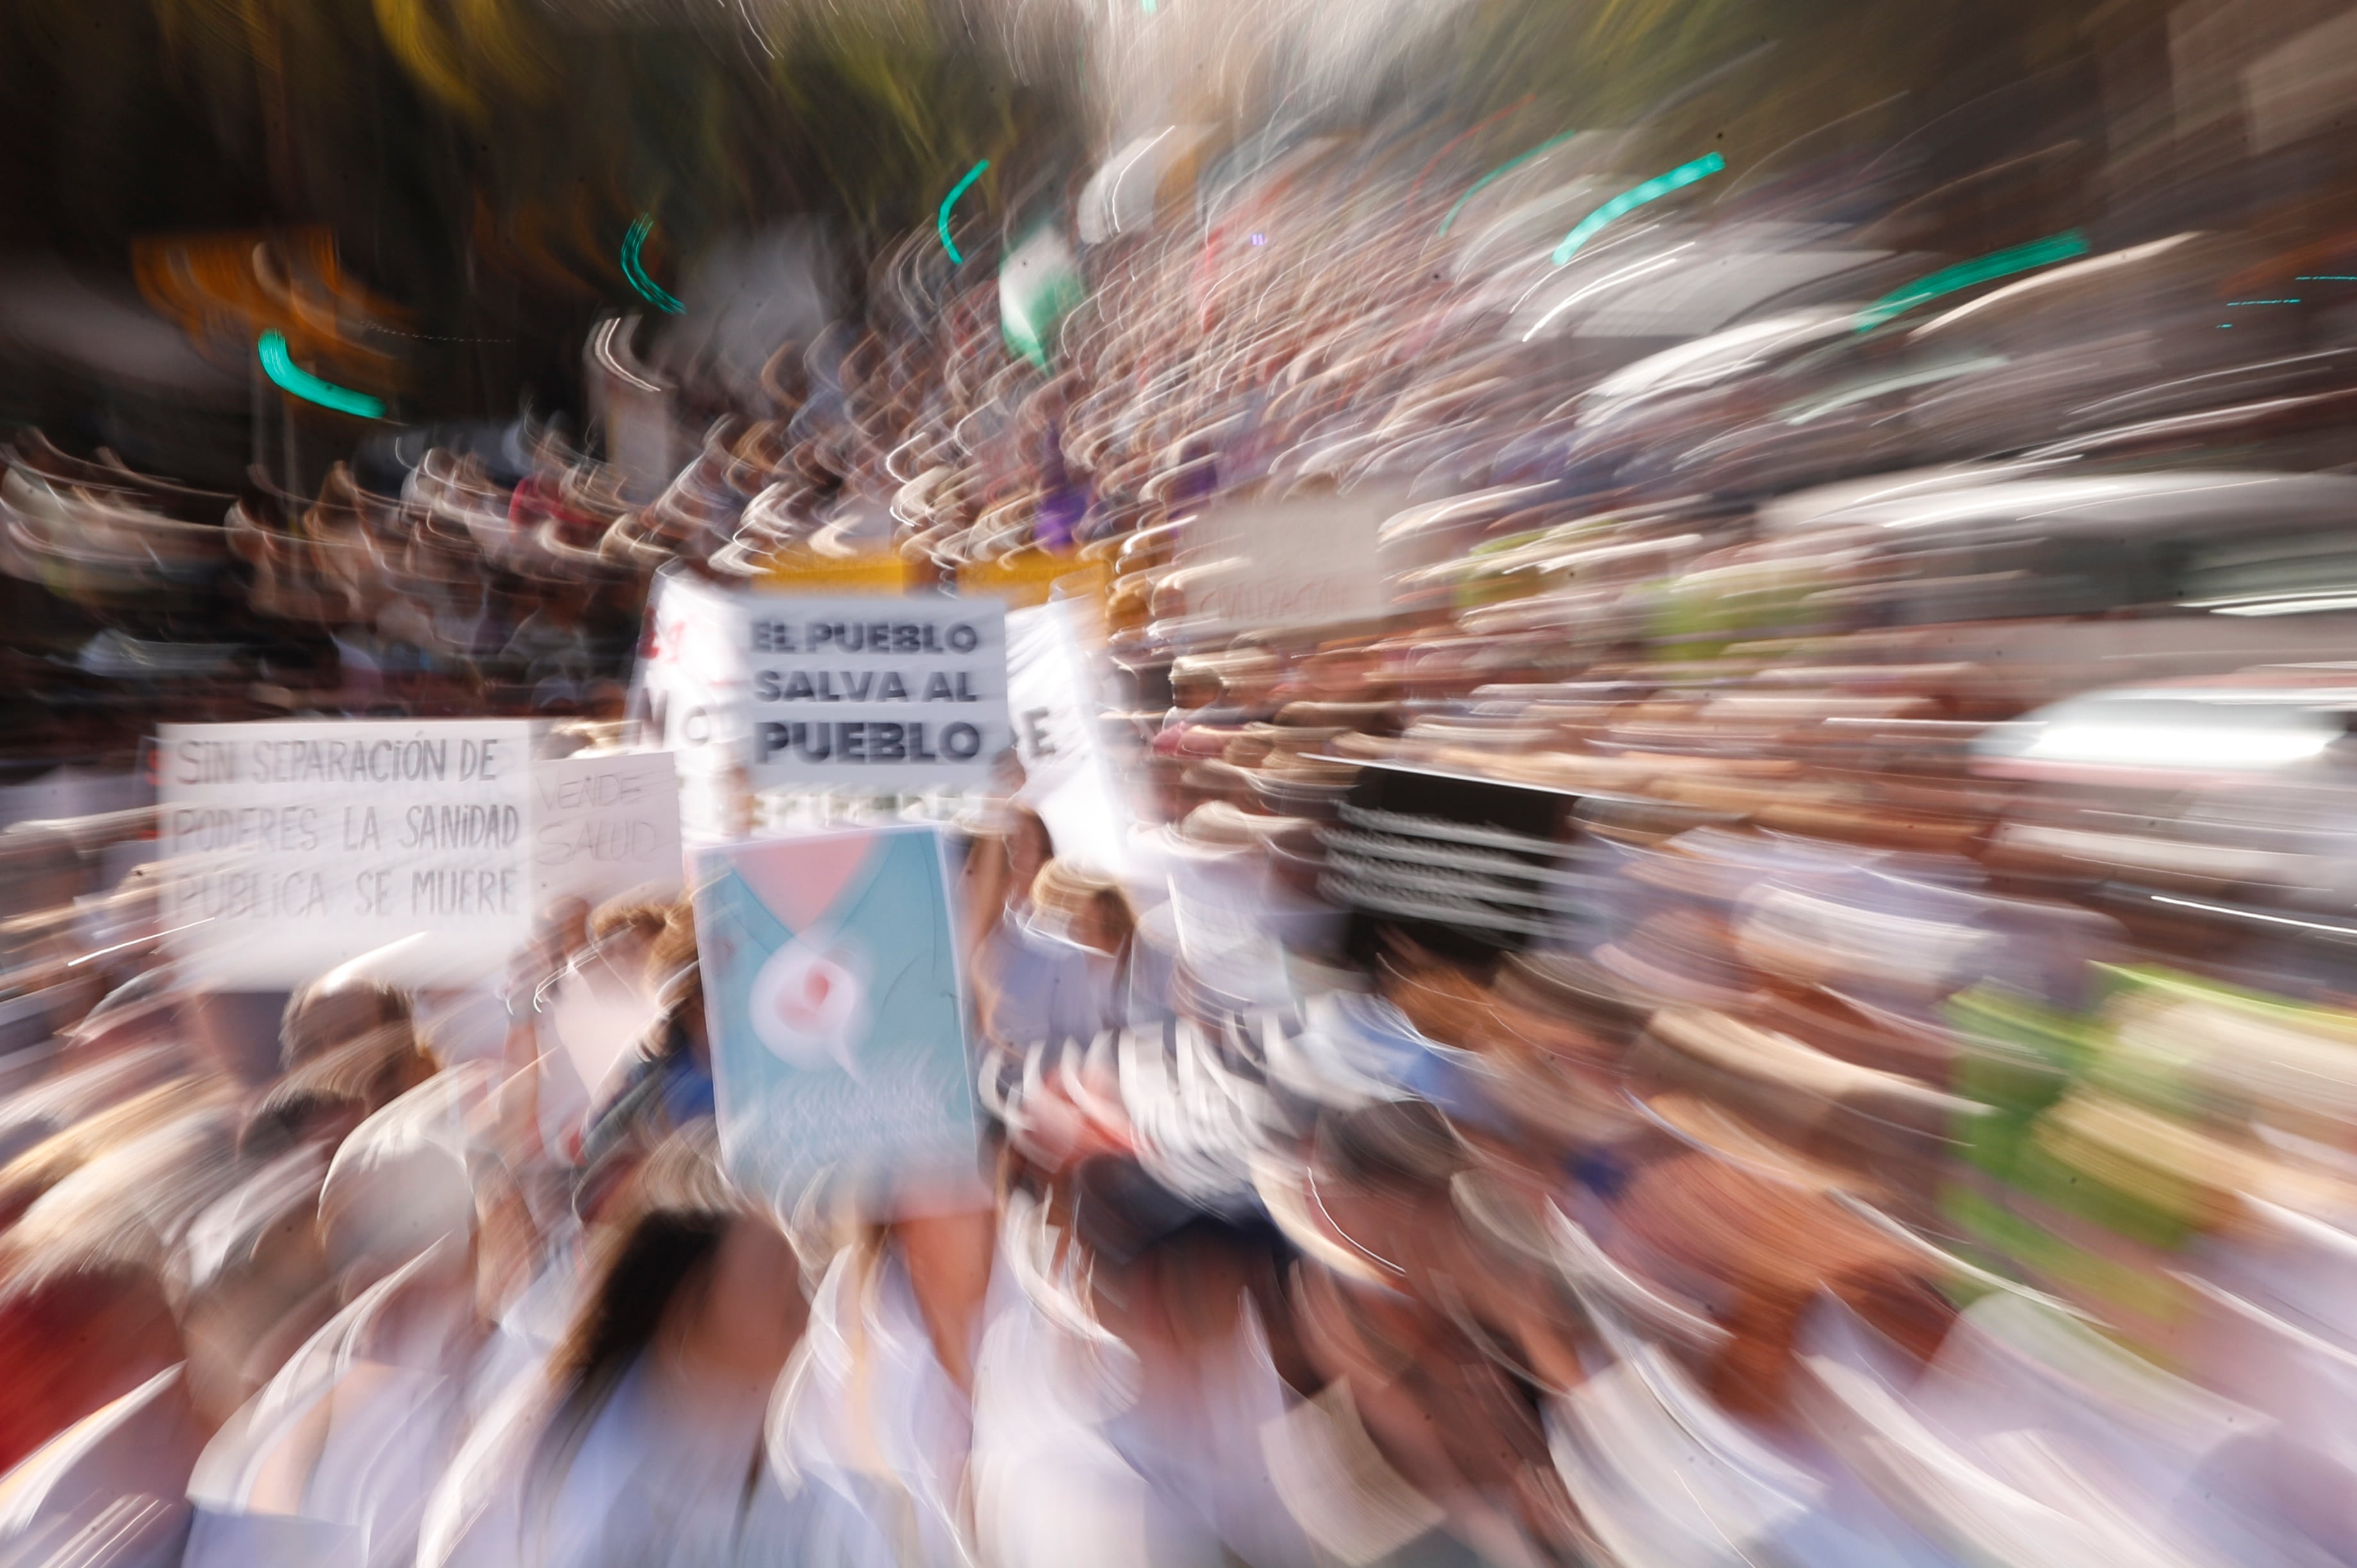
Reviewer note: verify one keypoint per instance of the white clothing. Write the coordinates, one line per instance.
(866, 1414)
(116, 1476)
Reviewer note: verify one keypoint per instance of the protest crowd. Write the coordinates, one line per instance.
(1315, 879)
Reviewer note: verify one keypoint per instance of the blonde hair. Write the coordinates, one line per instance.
(1066, 893)
(303, 1032)
(632, 911)
(124, 1211)
(1068, 888)
(24, 1179)
(673, 947)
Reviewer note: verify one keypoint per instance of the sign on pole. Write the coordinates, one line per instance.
(1068, 777)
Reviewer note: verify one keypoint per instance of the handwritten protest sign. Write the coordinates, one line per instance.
(605, 825)
(298, 845)
(295, 846)
(832, 991)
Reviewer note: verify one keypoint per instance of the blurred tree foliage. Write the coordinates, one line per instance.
(480, 160)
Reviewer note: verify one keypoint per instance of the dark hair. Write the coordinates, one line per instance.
(678, 1208)
(1111, 905)
(659, 1253)
(1404, 1145)
(662, 1254)
(1118, 1210)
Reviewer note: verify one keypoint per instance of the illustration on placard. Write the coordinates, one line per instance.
(832, 990)
(810, 1002)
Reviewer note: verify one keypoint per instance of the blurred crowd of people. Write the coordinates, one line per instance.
(1907, 1115)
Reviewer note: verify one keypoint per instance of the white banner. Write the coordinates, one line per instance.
(1309, 561)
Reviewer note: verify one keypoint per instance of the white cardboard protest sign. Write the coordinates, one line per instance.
(604, 825)
(858, 692)
(1306, 560)
(296, 846)
(1067, 776)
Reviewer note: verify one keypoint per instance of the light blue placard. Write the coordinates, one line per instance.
(832, 991)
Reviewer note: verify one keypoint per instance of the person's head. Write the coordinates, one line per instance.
(1029, 847)
(1392, 1316)
(333, 1091)
(142, 1011)
(24, 1179)
(1371, 1210)
(1105, 921)
(91, 1252)
(1773, 1249)
(336, 1010)
(684, 1264)
(1175, 1281)
(1084, 905)
(127, 1205)
(626, 930)
(1382, 1174)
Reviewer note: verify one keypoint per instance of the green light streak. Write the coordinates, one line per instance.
(2038, 253)
(291, 377)
(635, 270)
(1635, 197)
(1507, 167)
(949, 201)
